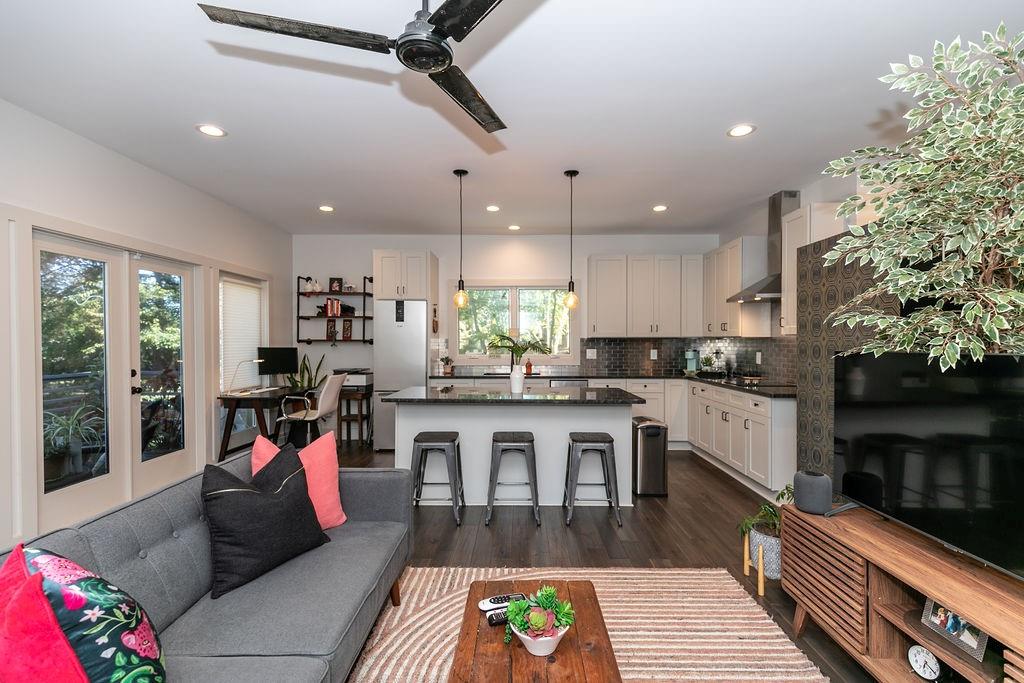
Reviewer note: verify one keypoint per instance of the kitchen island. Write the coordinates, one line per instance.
(477, 412)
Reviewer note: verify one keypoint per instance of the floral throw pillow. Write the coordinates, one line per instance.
(109, 633)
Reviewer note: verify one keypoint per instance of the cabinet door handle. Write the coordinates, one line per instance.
(693, 391)
(722, 325)
(398, 289)
(709, 327)
(707, 410)
(746, 423)
(657, 328)
(652, 328)
(725, 417)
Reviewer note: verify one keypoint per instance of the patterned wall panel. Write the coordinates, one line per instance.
(820, 290)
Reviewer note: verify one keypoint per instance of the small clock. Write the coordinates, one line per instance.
(924, 663)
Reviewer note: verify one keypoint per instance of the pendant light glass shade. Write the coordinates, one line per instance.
(461, 298)
(571, 299)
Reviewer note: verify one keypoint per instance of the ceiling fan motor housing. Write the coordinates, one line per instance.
(420, 49)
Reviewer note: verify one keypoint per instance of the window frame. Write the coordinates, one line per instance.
(514, 285)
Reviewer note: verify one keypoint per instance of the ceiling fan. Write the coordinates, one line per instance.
(423, 47)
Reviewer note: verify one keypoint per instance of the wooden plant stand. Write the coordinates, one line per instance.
(863, 580)
(748, 565)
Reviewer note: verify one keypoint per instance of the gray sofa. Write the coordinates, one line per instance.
(306, 620)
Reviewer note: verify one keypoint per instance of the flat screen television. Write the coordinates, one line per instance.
(940, 452)
(278, 360)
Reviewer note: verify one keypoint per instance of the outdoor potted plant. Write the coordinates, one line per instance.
(764, 530)
(517, 348)
(65, 436)
(540, 621)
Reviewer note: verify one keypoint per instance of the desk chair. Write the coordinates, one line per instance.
(326, 405)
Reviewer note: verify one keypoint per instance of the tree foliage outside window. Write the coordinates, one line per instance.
(160, 350)
(523, 312)
(949, 237)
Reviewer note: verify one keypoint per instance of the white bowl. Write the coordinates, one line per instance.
(541, 647)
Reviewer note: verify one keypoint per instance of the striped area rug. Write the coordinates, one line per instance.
(664, 625)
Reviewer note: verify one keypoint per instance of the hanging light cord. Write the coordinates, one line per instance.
(570, 228)
(460, 227)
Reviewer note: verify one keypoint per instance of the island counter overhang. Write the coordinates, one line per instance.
(476, 413)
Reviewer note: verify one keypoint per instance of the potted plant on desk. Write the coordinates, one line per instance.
(517, 348)
(762, 539)
(540, 621)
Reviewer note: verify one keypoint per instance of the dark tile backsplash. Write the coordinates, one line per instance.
(629, 356)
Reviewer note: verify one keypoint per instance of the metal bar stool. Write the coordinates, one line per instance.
(513, 442)
(602, 444)
(446, 443)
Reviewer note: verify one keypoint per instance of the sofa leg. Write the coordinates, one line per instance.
(396, 597)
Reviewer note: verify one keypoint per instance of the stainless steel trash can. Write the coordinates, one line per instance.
(650, 457)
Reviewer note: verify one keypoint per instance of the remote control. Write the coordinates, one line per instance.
(497, 617)
(487, 604)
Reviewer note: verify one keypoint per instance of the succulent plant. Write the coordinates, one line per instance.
(539, 616)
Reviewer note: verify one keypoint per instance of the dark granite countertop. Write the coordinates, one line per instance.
(766, 388)
(567, 396)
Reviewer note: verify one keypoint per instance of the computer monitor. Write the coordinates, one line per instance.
(278, 360)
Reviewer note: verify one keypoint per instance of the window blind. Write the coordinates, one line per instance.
(241, 331)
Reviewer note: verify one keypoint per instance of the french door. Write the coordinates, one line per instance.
(116, 364)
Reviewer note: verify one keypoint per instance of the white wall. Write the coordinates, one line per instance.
(527, 257)
(90, 190)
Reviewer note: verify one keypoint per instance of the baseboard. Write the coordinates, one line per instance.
(762, 491)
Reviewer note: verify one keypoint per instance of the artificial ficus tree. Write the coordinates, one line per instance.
(948, 239)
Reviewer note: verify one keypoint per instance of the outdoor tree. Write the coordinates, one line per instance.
(948, 239)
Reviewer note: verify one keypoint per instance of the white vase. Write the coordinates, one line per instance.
(541, 647)
(516, 379)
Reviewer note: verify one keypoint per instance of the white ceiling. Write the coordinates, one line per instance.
(637, 94)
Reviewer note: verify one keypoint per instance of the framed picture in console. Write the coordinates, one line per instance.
(955, 629)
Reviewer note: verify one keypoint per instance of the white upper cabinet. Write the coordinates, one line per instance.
(804, 226)
(691, 296)
(732, 267)
(606, 296)
(655, 285)
(400, 274)
(710, 322)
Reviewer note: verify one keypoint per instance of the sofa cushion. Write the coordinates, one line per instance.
(256, 527)
(183, 669)
(322, 603)
(320, 459)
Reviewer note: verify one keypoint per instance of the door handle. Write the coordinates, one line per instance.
(136, 390)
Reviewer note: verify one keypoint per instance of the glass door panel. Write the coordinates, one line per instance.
(161, 356)
(73, 325)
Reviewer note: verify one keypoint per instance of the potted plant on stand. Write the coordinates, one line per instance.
(517, 348)
(540, 621)
(762, 539)
(66, 435)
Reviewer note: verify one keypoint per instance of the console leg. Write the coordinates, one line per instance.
(799, 620)
(396, 597)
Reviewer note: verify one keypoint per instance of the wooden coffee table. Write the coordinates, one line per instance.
(584, 654)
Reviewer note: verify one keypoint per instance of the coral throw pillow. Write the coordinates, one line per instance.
(60, 622)
(320, 460)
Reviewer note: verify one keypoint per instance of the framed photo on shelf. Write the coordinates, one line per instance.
(336, 285)
(955, 629)
(332, 329)
(346, 329)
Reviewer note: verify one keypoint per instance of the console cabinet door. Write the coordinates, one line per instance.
(758, 464)
(606, 295)
(642, 296)
(668, 283)
(387, 274)
(676, 413)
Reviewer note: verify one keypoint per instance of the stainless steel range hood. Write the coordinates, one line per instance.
(770, 286)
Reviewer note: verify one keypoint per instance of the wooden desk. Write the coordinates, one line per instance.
(264, 400)
(585, 653)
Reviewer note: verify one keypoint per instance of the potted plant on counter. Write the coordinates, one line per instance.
(763, 530)
(540, 621)
(449, 365)
(517, 348)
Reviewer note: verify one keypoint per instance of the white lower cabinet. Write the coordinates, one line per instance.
(652, 391)
(759, 449)
(721, 436)
(676, 409)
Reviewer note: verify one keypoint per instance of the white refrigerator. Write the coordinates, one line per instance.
(401, 347)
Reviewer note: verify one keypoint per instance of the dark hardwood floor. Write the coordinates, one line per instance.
(695, 526)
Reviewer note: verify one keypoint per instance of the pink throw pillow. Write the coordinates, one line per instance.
(320, 460)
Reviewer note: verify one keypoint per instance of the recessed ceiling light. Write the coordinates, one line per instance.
(492, 208)
(741, 129)
(326, 208)
(211, 130)
(659, 208)
(513, 227)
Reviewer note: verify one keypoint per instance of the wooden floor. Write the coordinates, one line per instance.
(695, 526)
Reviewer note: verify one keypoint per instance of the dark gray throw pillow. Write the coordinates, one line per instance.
(255, 527)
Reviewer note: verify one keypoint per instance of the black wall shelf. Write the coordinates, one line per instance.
(362, 315)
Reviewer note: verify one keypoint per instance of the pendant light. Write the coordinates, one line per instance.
(572, 300)
(461, 299)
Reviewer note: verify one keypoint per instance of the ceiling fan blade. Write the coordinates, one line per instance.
(456, 18)
(458, 87)
(299, 29)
